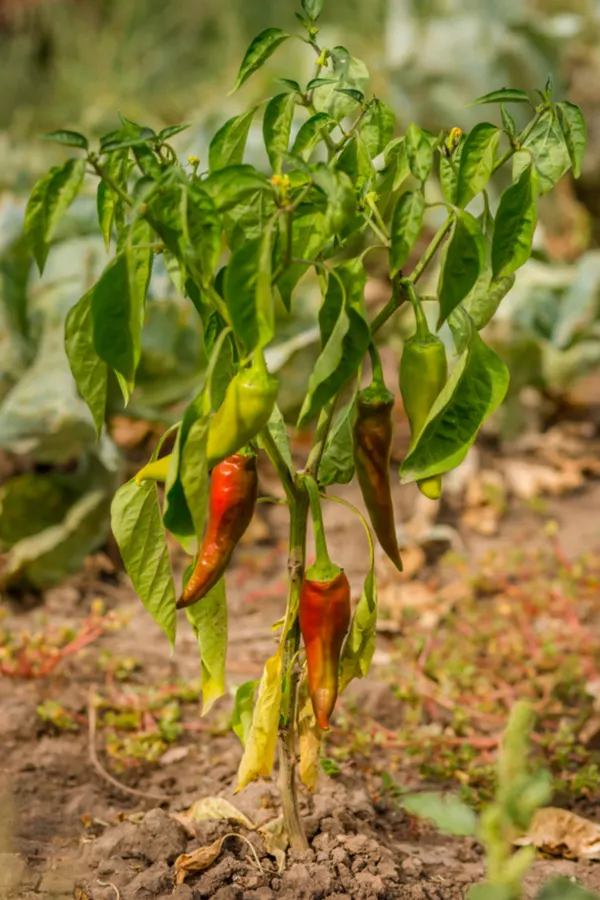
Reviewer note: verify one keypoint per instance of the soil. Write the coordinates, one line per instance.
(67, 831)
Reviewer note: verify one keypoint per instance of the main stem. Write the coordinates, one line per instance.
(287, 735)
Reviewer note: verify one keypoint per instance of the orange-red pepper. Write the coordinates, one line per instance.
(324, 615)
(232, 499)
(372, 451)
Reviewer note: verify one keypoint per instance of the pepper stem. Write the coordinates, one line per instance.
(376, 364)
(423, 331)
(258, 362)
(323, 569)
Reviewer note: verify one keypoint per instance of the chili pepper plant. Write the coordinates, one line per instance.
(236, 239)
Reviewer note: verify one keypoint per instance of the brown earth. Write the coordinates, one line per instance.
(67, 831)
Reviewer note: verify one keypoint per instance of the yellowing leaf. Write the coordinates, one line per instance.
(309, 739)
(259, 754)
(216, 808)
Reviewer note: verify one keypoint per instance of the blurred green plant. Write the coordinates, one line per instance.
(519, 793)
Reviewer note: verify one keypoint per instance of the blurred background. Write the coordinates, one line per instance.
(77, 63)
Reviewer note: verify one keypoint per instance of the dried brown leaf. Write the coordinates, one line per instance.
(197, 861)
(559, 832)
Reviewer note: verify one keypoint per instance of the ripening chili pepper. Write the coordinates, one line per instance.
(372, 451)
(423, 374)
(156, 470)
(246, 409)
(324, 615)
(232, 498)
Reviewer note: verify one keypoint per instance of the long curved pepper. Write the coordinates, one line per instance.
(232, 499)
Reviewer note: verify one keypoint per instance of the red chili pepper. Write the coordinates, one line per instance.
(324, 615)
(372, 451)
(233, 494)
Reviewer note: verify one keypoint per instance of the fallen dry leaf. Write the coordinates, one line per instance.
(559, 832)
(197, 861)
(394, 599)
(217, 808)
(485, 502)
(527, 480)
(173, 755)
(276, 840)
(413, 560)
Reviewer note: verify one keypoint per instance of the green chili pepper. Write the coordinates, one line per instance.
(246, 409)
(372, 451)
(324, 615)
(423, 374)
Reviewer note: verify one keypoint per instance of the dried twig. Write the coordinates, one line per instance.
(98, 765)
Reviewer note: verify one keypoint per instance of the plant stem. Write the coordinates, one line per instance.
(376, 364)
(516, 145)
(100, 171)
(431, 250)
(323, 425)
(279, 464)
(396, 300)
(287, 734)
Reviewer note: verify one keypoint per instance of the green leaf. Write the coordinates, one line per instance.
(117, 302)
(419, 150)
(337, 464)
(447, 811)
(377, 126)
(230, 186)
(359, 647)
(105, 204)
(546, 145)
(476, 387)
(203, 226)
(483, 301)
(259, 51)
(308, 239)
(138, 530)
(463, 260)
(574, 131)
(346, 337)
(477, 161)
(208, 619)
(407, 221)
(563, 888)
(504, 95)
(341, 201)
(49, 200)
(312, 8)
(241, 718)
(261, 741)
(278, 430)
(449, 169)
(487, 891)
(319, 82)
(147, 162)
(311, 133)
(515, 224)
(277, 125)
(68, 138)
(508, 123)
(171, 130)
(395, 171)
(355, 161)
(350, 74)
(247, 288)
(89, 371)
(355, 95)
(228, 145)
(293, 85)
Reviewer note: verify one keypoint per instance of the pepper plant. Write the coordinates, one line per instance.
(237, 238)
